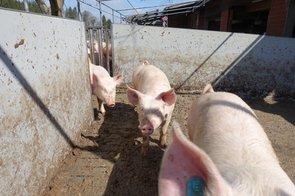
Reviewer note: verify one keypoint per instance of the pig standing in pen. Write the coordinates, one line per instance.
(155, 98)
(228, 153)
(103, 86)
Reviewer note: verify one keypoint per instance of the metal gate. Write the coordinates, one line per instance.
(101, 37)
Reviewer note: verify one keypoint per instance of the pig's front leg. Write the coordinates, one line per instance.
(145, 144)
(101, 107)
(164, 133)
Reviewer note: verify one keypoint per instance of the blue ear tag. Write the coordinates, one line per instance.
(195, 187)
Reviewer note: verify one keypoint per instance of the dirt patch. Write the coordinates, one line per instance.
(109, 161)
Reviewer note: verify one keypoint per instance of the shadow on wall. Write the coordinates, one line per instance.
(265, 71)
(117, 142)
(203, 63)
(30, 91)
(267, 67)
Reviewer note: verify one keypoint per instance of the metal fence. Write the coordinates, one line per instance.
(102, 37)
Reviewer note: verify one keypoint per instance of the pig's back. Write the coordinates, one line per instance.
(221, 118)
(146, 77)
(102, 75)
(226, 128)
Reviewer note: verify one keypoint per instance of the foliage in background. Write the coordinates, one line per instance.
(72, 13)
(106, 23)
(87, 17)
(15, 4)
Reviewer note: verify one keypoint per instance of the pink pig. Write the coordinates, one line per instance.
(228, 150)
(103, 85)
(107, 48)
(104, 46)
(155, 99)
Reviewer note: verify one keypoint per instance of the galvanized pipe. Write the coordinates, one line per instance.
(107, 51)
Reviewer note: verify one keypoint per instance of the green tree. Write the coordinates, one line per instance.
(14, 4)
(109, 23)
(71, 13)
(33, 7)
(106, 23)
(89, 19)
(103, 20)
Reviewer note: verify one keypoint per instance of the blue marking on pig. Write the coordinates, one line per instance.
(195, 187)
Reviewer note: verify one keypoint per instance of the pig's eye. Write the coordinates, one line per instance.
(140, 108)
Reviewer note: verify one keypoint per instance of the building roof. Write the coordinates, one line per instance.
(181, 5)
(154, 17)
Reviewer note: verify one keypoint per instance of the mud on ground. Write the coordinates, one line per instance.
(109, 161)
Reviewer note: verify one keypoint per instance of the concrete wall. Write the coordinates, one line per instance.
(45, 97)
(247, 64)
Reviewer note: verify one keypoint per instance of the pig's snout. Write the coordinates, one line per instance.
(147, 129)
(112, 105)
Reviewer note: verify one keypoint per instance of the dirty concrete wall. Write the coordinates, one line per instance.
(45, 97)
(247, 64)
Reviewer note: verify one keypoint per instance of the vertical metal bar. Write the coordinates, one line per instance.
(100, 34)
(92, 57)
(107, 51)
(79, 10)
(100, 56)
(113, 16)
(98, 38)
(100, 13)
(95, 55)
(120, 18)
(100, 17)
(26, 6)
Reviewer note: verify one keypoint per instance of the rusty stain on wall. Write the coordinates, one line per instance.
(21, 42)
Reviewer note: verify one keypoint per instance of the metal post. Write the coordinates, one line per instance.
(79, 10)
(98, 54)
(96, 38)
(107, 52)
(100, 35)
(113, 16)
(100, 14)
(120, 18)
(91, 45)
(26, 6)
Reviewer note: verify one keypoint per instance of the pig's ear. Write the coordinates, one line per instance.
(208, 89)
(118, 79)
(94, 79)
(133, 95)
(168, 97)
(184, 161)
